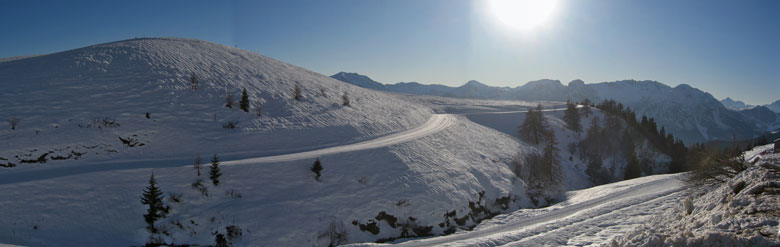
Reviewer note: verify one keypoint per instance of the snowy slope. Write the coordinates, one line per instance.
(590, 216)
(741, 212)
(384, 153)
(62, 100)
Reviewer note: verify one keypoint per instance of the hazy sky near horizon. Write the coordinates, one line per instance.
(724, 47)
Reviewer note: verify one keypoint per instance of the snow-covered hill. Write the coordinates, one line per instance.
(79, 103)
(687, 112)
(84, 149)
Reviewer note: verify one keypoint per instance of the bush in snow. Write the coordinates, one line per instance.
(198, 185)
(214, 172)
(230, 125)
(317, 168)
(13, 122)
(715, 166)
(229, 100)
(244, 102)
(297, 94)
(345, 99)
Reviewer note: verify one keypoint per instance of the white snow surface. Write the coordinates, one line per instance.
(590, 216)
(382, 153)
(744, 211)
(58, 97)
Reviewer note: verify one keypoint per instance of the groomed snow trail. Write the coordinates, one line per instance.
(580, 223)
(438, 122)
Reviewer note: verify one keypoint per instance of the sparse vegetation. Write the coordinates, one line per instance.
(259, 109)
(199, 186)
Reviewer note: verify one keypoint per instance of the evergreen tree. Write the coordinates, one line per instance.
(214, 172)
(153, 197)
(317, 168)
(244, 103)
(534, 125)
(572, 117)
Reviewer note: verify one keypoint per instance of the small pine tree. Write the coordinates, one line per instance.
(214, 172)
(345, 99)
(317, 168)
(244, 103)
(153, 197)
(229, 100)
(297, 94)
(197, 165)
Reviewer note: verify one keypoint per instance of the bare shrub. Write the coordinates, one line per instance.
(297, 93)
(230, 125)
(345, 99)
(14, 122)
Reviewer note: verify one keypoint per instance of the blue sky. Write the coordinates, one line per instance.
(727, 48)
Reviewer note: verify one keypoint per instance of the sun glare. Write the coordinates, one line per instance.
(523, 14)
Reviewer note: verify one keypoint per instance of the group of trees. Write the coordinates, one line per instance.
(153, 198)
(647, 127)
(540, 171)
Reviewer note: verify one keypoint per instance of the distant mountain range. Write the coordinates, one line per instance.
(689, 113)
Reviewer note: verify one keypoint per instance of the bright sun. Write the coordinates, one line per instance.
(523, 14)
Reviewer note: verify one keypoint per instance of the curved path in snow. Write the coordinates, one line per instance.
(619, 208)
(438, 122)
